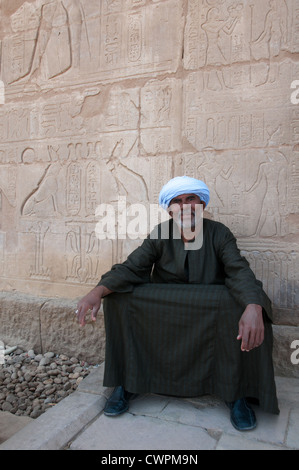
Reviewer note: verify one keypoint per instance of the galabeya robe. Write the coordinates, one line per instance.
(172, 320)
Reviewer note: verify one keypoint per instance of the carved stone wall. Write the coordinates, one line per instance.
(109, 98)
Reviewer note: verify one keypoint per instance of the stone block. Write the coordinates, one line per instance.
(20, 322)
(60, 331)
(286, 350)
(44, 324)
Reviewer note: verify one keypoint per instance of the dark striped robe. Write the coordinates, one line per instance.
(172, 321)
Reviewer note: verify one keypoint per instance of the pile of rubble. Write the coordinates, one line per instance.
(31, 383)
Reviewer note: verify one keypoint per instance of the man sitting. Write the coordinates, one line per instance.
(185, 315)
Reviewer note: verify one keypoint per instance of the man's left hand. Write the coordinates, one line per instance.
(251, 327)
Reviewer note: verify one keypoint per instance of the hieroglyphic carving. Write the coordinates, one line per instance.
(273, 174)
(92, 181)
(142, 51)
(122, 109)
(294, 185)
(160, 109)
(8, 179)
(215, 119)
(2, 248)
(209, 35)
(43, 201)
(258, 206)
(52, 37)
(40, 120)
(161, 168)
(70, 38)
(82, 253)
(224, 33)
(278, 271)
(24, 24)
(71, 189)
(38, 270)
(74, 189)
(295, 27)
(127, 181)
(135, 37)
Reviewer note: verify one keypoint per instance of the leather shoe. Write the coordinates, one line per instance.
(242, 415)
(118, 402)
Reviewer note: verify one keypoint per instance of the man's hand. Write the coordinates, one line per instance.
(251, 327)
(91, 301)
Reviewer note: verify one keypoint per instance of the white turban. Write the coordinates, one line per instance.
(183, 185)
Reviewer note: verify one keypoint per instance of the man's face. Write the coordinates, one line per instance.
(186, 210)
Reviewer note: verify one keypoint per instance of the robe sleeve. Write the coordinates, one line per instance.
(239, 278)
(135, 270)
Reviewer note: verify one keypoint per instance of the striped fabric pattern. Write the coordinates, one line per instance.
(180, 340)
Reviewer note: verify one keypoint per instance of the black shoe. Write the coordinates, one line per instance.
(242, 415)
(118, 402)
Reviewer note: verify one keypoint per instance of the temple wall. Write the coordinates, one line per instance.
(103, 101)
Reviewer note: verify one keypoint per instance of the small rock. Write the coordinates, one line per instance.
(74, 376)
(19, 351)
(67, 386)
(53, 372)
(48, 381)
(44, 361)
(7, 406)
(35, 413)
(49, 354)
(50, 391)
(48, 401)
(63, 357)
(27, 377)
(11, 398)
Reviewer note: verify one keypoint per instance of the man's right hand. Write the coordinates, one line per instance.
(91, 301)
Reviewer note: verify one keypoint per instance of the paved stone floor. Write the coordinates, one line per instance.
(156, 422)
(11, 424)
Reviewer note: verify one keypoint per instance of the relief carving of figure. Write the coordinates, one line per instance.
(58, 40)
(274, 35)
(128, 182)
(271, 174)
(215, 25)
(43, 200)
